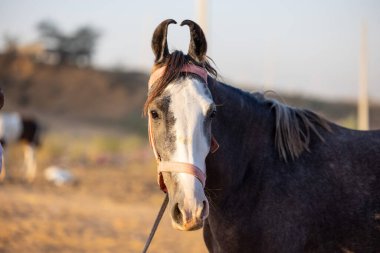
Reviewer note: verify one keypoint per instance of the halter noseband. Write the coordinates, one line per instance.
(168, 166)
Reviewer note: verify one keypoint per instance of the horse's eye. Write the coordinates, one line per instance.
(213, 114)
(154, 114)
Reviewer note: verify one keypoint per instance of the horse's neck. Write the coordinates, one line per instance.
(242, 128)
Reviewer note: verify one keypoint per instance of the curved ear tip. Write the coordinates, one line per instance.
(187, 22)
(170, 21)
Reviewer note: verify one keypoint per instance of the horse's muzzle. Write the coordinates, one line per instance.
(187, 219)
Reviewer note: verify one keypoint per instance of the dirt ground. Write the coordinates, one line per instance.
(109, 209)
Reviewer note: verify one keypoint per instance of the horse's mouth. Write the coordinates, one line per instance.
(189, 226)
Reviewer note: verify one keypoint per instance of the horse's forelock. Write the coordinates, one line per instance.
(174, 64)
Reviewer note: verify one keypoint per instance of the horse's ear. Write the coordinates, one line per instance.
(198, 43)
(159, 40)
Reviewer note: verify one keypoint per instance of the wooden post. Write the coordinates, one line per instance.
(202, 15)
(363, 107)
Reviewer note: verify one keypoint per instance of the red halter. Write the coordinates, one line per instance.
(188, 68)
(168, 166)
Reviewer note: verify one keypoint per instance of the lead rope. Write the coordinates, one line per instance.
(156, 223)
(164, 203)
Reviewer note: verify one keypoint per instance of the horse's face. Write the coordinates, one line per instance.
(181, 128)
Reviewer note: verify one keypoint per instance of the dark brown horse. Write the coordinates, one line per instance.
(283, 179)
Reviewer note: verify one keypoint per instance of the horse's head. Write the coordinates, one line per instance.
(180, 110)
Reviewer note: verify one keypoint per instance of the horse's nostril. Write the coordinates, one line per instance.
(176, 214)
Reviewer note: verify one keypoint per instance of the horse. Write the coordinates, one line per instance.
(15, 128)
(279, 178)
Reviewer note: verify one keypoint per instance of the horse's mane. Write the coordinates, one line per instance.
(294, 127)
(174, 63)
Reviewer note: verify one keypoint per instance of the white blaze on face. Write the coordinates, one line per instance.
(190, 102)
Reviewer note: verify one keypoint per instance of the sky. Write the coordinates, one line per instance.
(303, 47)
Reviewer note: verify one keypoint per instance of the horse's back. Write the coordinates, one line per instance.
(358, 149)
(352, 167)
(330, 196)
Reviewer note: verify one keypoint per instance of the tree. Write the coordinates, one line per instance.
(70, 49)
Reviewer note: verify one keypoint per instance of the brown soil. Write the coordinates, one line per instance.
(109, 210)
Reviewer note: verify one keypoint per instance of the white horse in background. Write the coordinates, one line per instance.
(15, 128)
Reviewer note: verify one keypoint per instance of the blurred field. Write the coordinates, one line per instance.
(110, 209)
(92, 126)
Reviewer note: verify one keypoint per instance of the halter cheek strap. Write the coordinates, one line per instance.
(168, 166)
(179, 167)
